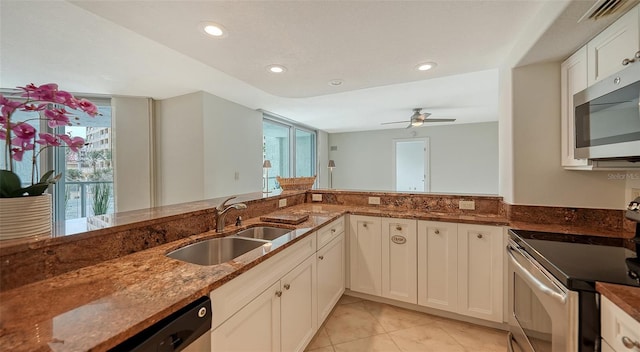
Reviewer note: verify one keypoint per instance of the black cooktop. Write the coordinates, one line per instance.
(580, 265)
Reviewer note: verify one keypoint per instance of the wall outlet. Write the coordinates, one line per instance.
(467, 204)
(374, 200)
(282, 203)
(316, 197)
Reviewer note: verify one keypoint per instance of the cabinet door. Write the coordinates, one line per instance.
(255, 327)
(330, 266)
(480, 271)
(573, 79)
(399, 260)
(607, 50)
(298, 306)
(365, 254)
(438, 265)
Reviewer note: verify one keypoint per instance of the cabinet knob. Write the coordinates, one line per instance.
(278, 293)
(626, 61)
(629, 343)
(399, 228)
(364, 225)
(637, 55)
(479, 235)
(437, 232)
(321, 257)
(287, 286)
(333, 230)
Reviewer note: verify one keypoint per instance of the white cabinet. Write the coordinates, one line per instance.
(331, 272)
(399, 260)
(607, 50)
(365, 241)
(256, 327)
(460, 268)
(438, 265)
(619, 330)
(298, 320)
(480, 271)
(573, 79)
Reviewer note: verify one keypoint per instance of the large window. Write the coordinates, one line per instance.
(290, 148)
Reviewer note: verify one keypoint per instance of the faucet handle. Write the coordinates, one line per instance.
(224, 202)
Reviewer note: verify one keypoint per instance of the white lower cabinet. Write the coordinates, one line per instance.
(399, 260)
(480, 271)
(438, 265)
(460, 268)
(365, 255)
(256, 327)
(298, 320)
(620, 331)
(331, 272)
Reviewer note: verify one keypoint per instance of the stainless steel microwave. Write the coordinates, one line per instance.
(607, 117)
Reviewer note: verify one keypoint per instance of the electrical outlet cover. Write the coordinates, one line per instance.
(316, 197)
(282, 203)
(374, 200)
(467, 204)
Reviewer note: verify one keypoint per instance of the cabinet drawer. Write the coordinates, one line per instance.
(616, 325)
(331, 231)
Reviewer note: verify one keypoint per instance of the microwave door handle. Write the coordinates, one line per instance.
(534, 281)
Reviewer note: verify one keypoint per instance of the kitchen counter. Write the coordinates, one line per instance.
(98, 306)
(625, 297)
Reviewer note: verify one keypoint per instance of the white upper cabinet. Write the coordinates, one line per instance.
(399, 260)
(607, 51)
(573, 78)
(365, 254)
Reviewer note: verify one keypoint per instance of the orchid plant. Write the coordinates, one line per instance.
(21, 137)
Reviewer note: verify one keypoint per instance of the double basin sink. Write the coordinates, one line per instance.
(220, 250)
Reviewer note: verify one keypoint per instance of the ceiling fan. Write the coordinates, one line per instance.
(418, 118)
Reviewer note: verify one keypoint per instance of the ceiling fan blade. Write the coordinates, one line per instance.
(410, 126)
(439, 120)
(389, 123)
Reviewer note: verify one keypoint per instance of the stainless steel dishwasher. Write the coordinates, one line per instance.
(187, 330)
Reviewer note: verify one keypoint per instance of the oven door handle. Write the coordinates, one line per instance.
(534, 280)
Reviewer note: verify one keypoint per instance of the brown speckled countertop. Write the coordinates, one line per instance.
(625, 297)
(98, 306)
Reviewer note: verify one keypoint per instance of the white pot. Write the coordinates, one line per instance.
(25, 216)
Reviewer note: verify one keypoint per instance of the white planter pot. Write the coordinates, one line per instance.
(25, 216)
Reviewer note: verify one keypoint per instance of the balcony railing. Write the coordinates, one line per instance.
(79, 198)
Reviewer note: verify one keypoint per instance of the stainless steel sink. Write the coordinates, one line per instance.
(216, 250)
(263, 233)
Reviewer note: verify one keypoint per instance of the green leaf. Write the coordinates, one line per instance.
(33, 190)
(9, 184)
(46, 176)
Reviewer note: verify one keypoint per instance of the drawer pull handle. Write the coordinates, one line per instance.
(287, 286)
(480, 235)
(278, 293)
(437, 232)
(629, 343)
(321, 257)
(625, 62)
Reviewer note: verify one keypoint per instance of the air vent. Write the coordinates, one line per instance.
(604, 8)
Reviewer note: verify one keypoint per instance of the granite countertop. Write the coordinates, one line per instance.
(97, 307)
(625, 297)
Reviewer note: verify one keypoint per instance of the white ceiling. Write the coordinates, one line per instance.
(154, 48)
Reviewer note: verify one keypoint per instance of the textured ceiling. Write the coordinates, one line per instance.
(154, 48)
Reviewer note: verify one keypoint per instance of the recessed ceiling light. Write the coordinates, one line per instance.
(213, 29)
(276, 68)
(335, 82)
(425, 66)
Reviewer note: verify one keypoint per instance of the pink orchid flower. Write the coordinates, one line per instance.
(74, 143)
(48, 139)
(24, 133)
(57, 117)
(88, 107)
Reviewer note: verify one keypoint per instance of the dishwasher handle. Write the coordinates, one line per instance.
(173, 333)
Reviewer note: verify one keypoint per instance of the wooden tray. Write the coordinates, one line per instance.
(291, 219)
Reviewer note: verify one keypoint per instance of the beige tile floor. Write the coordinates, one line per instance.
(357, 325)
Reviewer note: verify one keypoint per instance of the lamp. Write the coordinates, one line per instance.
(267, 165)
(332, 164)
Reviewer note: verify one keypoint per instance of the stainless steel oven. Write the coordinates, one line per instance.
(543, 312)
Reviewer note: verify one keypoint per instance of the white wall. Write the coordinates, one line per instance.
(132, 154)
(179, 149)
(463, 158)
(322, 171)
(538, 177)
(232, 144)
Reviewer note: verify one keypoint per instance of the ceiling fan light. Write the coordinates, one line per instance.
(416, 122)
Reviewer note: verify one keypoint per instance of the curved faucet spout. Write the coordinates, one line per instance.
(221, 212)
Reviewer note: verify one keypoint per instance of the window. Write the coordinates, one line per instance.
(291, 148)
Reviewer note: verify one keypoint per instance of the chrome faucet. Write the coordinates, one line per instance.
(221, 212)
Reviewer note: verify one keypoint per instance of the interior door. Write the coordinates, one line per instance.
(410, 159)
